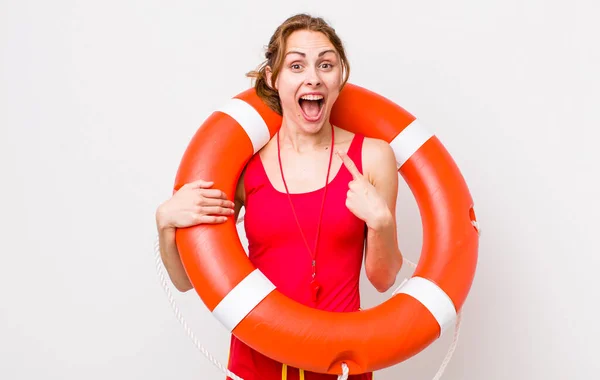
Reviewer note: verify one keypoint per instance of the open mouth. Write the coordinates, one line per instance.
(312, 106)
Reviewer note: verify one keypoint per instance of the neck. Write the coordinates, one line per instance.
(300, 141)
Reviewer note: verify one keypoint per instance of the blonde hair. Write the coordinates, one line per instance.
(275, 54)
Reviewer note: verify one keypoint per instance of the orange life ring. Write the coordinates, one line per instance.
(250, 306)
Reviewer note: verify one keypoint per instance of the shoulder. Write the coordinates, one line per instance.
(379, 161)
(377, 148)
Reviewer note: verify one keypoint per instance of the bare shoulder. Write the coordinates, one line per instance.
(378, 148)
(379, 161)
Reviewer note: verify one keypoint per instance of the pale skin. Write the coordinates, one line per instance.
(311, 65)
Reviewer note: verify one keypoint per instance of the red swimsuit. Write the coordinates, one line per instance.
(276, 248)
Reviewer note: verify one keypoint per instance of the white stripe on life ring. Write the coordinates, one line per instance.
(242, 299)
(250, 120)
(409, 141)
(433, 298)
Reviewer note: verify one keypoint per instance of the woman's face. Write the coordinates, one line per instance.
(309, 80)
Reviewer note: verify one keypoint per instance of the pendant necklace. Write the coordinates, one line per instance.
(314, 283)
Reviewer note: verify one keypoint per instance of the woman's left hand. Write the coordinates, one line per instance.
(362, 199)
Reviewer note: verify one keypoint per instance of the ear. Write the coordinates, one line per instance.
(269, 76)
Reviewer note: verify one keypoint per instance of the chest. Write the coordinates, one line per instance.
(303, 172)
(285, 226)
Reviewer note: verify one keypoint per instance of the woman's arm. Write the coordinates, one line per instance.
(170, 256)
(383, 258)
(193, 204)
(372, 198)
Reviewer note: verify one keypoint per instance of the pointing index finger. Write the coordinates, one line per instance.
(349, 164)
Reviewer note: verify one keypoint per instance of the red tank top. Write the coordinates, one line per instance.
(276, 247)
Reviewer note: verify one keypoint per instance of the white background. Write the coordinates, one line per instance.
(98, 100)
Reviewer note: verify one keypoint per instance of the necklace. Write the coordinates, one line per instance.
(314, 283)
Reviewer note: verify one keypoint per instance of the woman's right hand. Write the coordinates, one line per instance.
(194, 203)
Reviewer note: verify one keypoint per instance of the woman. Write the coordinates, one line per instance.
(324, 207)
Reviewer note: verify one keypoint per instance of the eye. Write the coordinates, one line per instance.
(326, 65)
(295, 66)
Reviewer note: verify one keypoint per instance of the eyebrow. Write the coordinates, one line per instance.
(304, 55)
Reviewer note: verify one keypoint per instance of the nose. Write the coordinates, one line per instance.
(312, 77)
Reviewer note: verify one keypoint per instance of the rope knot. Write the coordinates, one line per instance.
(345, 370)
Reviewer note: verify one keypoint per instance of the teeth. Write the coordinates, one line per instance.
(312, 97)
